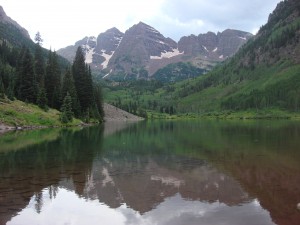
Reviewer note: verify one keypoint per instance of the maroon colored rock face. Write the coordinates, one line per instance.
(143, 48)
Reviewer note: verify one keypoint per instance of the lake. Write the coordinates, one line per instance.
(159, 172)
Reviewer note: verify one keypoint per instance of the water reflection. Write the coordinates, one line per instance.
(155, 173)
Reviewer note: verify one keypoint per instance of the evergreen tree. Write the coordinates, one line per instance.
(18, 79)
(42, 99)
(10, 90)
(66, 109)
(68, 86)
(83, 81)
(38, 38)
(2, 90)
(53, 81)
(27, 79)
(39, 65)
(99, 101)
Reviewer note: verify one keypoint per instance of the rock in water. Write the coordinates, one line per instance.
(298, 206)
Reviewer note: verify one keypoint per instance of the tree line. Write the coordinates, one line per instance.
(33, 78)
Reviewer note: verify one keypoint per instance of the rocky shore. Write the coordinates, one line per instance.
(113, 113)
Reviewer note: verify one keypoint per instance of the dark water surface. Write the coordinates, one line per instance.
(162, 172)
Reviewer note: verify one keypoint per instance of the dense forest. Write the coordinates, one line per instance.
(31, 77)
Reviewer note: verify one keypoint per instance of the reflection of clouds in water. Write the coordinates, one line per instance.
(176, 211)
(67, 208)
(173, 211)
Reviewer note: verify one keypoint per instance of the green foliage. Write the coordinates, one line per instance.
(42, 99)
(2, 91)
(39, 66)
(66, 110)
(27, 90)
(32, 80)
(177, 72)
(53, 81)
(89, 97)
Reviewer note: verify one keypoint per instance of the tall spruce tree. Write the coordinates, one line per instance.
(68, 86)
(39, 65)
(66, 109)
(2, 90)
(83, 81)
(27, 79)
(18, 79)
(53, 81)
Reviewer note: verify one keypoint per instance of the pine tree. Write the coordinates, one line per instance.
(42, 99)
(53, 81)
(68, 86)
(66, 110)
(2, 90)
(38, 38)
(27, 79)
(39, 65)
(18, 79)
(83, 81)
(99, 101)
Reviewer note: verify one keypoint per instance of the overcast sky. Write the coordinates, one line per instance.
(63, 22)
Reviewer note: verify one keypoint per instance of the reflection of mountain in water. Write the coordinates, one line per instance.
(148, 165)
(144, 182)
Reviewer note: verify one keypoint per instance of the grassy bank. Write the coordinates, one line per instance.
(17, 113)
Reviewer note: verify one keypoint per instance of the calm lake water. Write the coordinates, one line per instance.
(161, 172)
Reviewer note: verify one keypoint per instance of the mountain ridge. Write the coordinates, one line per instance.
(6, 19)
(142, 50)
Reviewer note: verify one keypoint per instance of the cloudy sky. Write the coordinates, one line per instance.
(63, 22)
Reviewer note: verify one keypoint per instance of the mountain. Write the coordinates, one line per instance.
(143, 50)
(10, 30)
(98, 51)
(4, 19)
(262, 75)
(214, 47)
(17, 36)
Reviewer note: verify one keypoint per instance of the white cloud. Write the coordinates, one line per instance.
(68, 208)
(63, 22)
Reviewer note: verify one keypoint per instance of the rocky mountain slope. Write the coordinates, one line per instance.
(17, 37)
(8, 21)
(262, 75)
(142, 50)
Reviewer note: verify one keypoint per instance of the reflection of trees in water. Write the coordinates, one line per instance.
(25, 173)
(146, 163)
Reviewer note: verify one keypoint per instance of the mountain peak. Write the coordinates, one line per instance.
(6, 19)
(113, 30)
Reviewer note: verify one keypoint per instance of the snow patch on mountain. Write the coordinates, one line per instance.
(205, 48)
(106, 75)
(216, 49)
(107, 58)
(168, 55)
(89, 55)
(243, 38)
(120, 40)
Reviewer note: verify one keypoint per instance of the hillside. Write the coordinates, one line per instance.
(32, 74)
(263, 77)
(16, 36)
(265, 73)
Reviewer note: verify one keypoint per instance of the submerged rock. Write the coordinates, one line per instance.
(298, 206)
